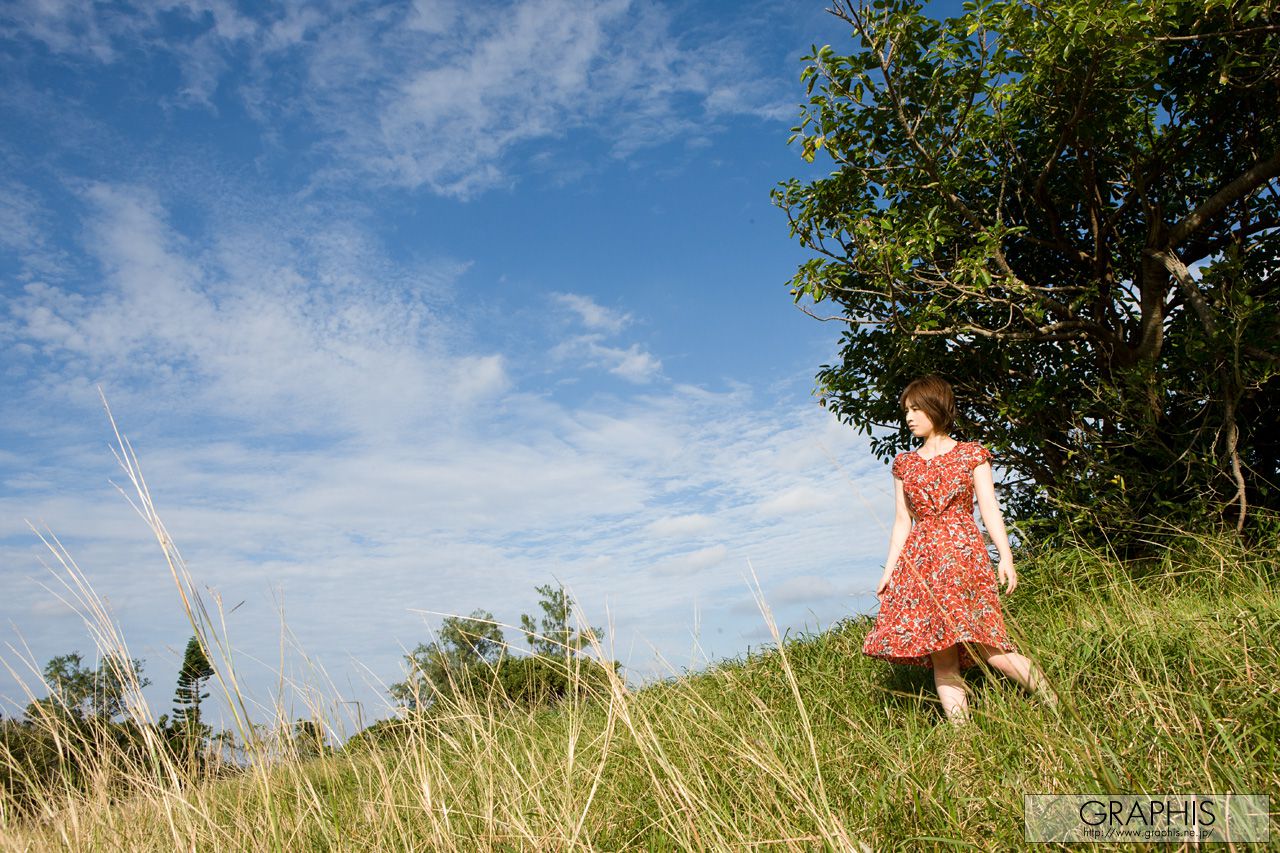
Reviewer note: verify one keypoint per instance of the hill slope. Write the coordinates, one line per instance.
(1167, 675)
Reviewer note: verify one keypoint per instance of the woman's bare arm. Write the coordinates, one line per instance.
(902, 521)
(985, 489)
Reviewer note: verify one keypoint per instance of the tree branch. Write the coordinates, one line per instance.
(849, 320)
(1257, 175)
(1048, 332)
(1267, 29)
(1182, 275)
(1200, 249)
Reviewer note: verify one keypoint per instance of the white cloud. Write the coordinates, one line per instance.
(295, 336)
(64, 26)
(681, 526)
(592, 314)
(634, 363)
(693, 561)
(527, 76)
(322, 425)
(20, 216)
(92, 30)
(433, 16)
(803, 589)
(794, 500)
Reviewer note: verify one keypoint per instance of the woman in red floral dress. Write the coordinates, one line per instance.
(939, 603)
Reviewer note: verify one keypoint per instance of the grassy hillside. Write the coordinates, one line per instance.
(1167, 674)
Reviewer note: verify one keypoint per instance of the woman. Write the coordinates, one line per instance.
(939, 602)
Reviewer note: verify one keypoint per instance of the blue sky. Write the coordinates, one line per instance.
(411, 307)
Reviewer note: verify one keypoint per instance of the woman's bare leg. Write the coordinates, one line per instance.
(951, 687)
(1018, 667)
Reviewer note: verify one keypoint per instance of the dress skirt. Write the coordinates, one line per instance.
(943, 591)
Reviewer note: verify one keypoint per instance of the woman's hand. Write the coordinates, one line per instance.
(1006, 574)
(884, 581)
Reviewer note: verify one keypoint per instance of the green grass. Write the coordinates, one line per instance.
(1166, 673)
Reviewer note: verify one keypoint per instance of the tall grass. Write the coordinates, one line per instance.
(1166, 672)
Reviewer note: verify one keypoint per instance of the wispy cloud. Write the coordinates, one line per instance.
(292, 335)
(681, 526)
(437, 95)
(805, 589)
(693, 561)
(20, 215)
(796, 499)
(592, 314)
(633, 363)
(64, 27)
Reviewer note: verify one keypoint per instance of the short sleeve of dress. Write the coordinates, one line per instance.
(977, 455)
(897, 467)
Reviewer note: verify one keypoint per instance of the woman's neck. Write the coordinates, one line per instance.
(937, 443)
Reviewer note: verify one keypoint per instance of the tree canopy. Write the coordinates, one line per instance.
(436, 666)
(554, 635)
(1069, 211)
(83, 692)
(469, 657)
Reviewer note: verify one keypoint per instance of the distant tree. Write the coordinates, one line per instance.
(73, 756)
(1071, 211)
(432, 667)
(468, 660)
(226, 749)
(555, 637)
(84, 692)
(195, 671)
(539, 679)
(309, 738)
(70, 683)
(116, 676)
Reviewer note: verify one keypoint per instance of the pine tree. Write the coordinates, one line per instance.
(196, 669)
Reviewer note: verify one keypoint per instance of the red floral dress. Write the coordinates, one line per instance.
(943, 590)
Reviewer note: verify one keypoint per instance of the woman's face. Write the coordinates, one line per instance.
(917, 421)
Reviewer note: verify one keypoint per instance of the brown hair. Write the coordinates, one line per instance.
(933, 394)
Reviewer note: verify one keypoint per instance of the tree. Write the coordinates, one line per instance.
(468, 659)
(116, 676)
(195, 671)
(309, 739)
(84, 692)
(71, 685)
(460, 642)
(556, 637)
(1070, 211)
